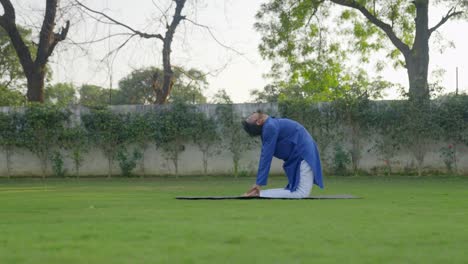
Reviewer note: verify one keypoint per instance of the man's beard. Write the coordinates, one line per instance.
(253, 130)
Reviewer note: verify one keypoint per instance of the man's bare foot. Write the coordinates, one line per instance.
(254, 192)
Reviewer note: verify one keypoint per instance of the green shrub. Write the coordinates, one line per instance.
(128, 162)
(57, 164)
(341, 160)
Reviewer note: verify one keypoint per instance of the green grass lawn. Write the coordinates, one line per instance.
(399, 220)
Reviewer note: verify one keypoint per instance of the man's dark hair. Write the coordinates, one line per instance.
(252, 129)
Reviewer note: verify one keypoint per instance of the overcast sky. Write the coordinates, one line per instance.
(231, 21)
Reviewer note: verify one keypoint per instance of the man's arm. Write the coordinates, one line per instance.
(270, 136)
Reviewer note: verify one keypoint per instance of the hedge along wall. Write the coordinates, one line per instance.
(354, 136)
(44, 140)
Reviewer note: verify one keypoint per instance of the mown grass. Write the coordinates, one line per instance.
(399, 220)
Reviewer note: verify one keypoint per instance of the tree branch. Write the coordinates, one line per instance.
(58, 37)
(48, 40)
(103, 38)
(451, 13)
(163, 13)
(163, 93)
(379, 23)
(213, 36)
(7, 22)
(9, 11)
(116, 50)
(137, 32)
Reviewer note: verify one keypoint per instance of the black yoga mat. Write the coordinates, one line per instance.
(313, 197)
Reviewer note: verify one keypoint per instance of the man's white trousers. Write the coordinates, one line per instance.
(306, 182)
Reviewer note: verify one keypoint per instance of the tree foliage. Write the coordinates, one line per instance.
(62, 94)
(40, 130)
(206, 136)
(175, 130)
(10, 97)
(77, 142)
(9, 137)
(233, 137)
(108, 131)
(94, 96)
(162, 84)
(299, 35)
(139, 86)
(11, 73)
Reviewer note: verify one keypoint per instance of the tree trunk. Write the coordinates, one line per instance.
(8, 153)
(455, 165)
(109, 171)
(168, 78)
(236, 166)
(44, 164)
(36, 86)
(417, 61)
(34, 69)
(205, 161)
(175, 161)
(142, 163)
(417, 68)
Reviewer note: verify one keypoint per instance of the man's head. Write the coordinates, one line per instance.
(253, 125)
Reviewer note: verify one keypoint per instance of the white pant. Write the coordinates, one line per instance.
(306, 182)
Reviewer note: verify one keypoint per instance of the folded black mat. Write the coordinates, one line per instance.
(313, 197)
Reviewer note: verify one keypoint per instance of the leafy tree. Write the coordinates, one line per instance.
(76, 141)
(139, 86)
(233, 136)
(8, 136)
(340, 160)
(142, 133)
(40, 130)
(34, 62)
(107, 131)
(128, 161)
(386, 124)
(319, 119)
(222, 97)
(175, 128)
(205, 135)
(162, 84)
(92, 96)
(294, 34)
(453, 120)
(269, 94)
(10, 97)
(62, 94)
(419, 129)
(354, 119)
(128, 156)
(11, 73)
(58, 167)
(354, 109)
(189, 86)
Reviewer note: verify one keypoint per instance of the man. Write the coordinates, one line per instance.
(287, 140)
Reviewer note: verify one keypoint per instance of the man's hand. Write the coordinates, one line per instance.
(253, 192)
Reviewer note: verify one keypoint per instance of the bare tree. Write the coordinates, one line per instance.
(161, 89)
(34, 60)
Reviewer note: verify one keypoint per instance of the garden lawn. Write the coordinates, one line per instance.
(399, 220)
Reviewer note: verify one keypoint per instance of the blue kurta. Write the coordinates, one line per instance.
(288, 140)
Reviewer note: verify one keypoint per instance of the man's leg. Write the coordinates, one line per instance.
(303, 190)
